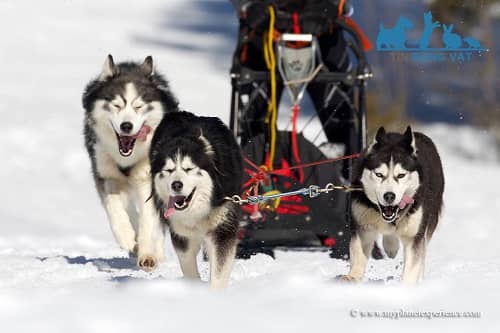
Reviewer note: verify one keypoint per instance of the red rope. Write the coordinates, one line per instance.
(252, 164)
(295, 145)
(261, 174)
(296, 23)
(306, 165)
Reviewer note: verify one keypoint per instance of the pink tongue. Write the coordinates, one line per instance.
(170, 209)
(406, 200)
(168, 213)
(143, 133)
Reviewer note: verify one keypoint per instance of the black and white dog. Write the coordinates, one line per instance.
(195, 164)
(402, 180)
(124, 105)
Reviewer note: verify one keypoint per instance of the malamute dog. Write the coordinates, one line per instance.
(195, 164)
(402, 181)
(124, 105)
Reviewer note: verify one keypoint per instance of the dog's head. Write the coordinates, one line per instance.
(390, 172)
(126, 103)
(181, 170)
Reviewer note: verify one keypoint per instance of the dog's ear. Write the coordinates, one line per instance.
(379, 137)
(109, 69)
(409, 139)
(147, 66)
(209, 150)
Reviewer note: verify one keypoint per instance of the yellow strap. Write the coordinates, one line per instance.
(272, 111)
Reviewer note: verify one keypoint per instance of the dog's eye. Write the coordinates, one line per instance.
(401, 175)
(379, 175)
(188, 169)
(169, 170)
(138, 107)
(116, 106)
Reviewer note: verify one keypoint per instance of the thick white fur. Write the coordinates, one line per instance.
(138, 231)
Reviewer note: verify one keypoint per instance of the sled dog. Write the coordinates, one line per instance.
(402, 194)
(195, 164)
(123, 106)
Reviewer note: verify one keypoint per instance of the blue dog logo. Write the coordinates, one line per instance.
(394, 40)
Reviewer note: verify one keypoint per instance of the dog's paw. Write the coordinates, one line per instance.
(147, 262)
(347, 279)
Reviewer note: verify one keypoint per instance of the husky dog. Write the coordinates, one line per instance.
(195, 164)
(402, 181)
(124, 105)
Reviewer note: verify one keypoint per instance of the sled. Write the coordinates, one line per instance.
(318, 50)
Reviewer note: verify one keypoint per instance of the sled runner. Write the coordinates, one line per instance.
(297, 46)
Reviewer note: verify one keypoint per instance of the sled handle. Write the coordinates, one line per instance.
(297, 38)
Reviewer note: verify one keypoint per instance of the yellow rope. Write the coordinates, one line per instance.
(272, 111)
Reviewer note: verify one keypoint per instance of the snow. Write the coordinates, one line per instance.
(60, 267)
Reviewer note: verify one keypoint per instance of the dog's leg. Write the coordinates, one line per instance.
(221, 250)
(414, 259)
(360, 248)
(187, 249)
(112, 193)
(221, 244)
(150, 238)
(391, 245)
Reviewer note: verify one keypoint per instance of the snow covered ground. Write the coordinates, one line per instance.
(60, 269)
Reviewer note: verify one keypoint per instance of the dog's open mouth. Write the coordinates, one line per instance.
(178, 203)
(389, 213)
(126, 144)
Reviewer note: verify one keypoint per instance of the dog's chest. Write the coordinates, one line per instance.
(107, 168)
(189, 225)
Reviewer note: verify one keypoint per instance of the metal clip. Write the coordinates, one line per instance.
(314, 191)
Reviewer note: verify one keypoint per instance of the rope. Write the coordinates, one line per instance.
(295, 144)
(261, 173)
(307, 165)
(272, 110)
(312, 191)
(307, 79)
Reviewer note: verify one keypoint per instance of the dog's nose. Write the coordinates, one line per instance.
(126, 127)
(389, 197)
(177, 186)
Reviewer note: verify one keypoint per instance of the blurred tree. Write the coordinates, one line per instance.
(477, 21)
